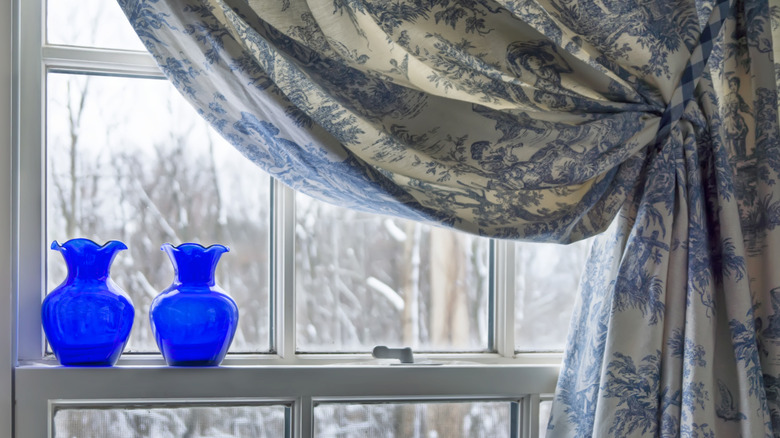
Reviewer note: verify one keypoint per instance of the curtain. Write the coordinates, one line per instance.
(541, 120)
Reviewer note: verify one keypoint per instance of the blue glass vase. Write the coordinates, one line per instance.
(193, 321)
(87, 319)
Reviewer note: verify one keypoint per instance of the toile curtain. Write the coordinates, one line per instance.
(540, 120)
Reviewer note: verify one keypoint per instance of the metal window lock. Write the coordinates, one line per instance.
(403, 354)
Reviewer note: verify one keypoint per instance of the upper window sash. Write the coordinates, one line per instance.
(37, 58)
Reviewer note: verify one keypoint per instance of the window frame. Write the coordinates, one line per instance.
(32, 383)
(7, 222)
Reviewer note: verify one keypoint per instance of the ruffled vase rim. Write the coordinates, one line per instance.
(118, 244)
(194, 245)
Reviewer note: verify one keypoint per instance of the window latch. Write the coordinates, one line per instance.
(403, 354)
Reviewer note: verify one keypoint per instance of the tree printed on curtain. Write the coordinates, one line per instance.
(539, 120)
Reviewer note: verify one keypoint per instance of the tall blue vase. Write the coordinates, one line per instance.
(193, 321)
(87, 319)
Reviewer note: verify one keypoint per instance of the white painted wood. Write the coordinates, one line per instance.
(310, 359)
(29, 181)
(283, 282)
(303, 383)
(529, 415)
(304, 415)
(7, 222)
(100, 61)
(504, 309)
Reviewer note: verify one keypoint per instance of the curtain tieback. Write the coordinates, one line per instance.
(693, 70)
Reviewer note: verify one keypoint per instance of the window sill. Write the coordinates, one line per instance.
(283, 382)
(547, 359)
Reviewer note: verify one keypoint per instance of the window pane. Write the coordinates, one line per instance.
(364, 280)
(546, 280)
(402, 420)
(173, 422)
(90, 23)
(128, 159)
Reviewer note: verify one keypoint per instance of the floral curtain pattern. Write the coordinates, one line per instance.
(539, 120)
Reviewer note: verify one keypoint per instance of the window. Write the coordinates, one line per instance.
(104, 148)
(398, 419)
(244, 420)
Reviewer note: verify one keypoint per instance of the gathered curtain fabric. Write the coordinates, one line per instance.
(541, 120)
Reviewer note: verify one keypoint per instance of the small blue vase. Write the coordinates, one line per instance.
(193, 321)
(87, 319)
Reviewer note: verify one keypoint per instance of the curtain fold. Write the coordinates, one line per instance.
(539, 120)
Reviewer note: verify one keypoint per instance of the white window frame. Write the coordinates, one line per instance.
(7, 258)
(31, 383)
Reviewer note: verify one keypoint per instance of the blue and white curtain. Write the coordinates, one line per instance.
(539, 120)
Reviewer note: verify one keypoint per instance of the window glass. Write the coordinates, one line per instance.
(201, 422)
(365, 280)
(545, 408)
(546, 279)
(128, 159)
(408, 420)
(90, 23)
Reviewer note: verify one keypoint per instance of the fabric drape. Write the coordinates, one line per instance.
(539, 120)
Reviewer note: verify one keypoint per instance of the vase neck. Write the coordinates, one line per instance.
(82, 269)
(87, 260)
(194, 264)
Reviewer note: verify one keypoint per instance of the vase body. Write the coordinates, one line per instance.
(87, 319)
(193, 320)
